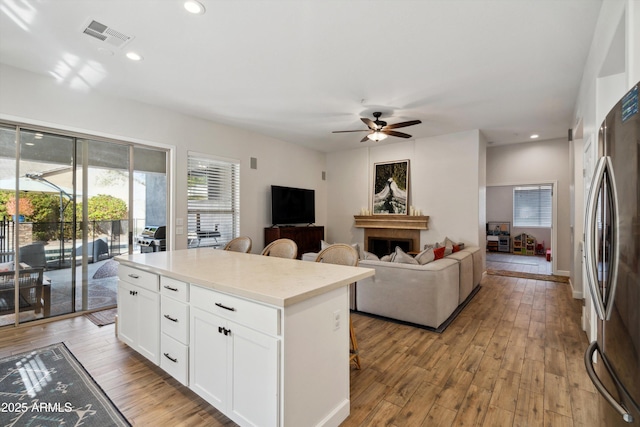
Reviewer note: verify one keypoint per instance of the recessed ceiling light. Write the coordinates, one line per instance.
(194, 7)
(37, 136)
(534, 136)
(134, 56)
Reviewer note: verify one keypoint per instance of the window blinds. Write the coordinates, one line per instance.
(532, 206)
(213, 202)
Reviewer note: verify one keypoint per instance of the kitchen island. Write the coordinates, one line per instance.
(265, 340)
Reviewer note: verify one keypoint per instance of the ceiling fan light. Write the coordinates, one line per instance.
(376, 136)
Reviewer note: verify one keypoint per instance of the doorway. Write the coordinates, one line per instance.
(68, 205)
(529, 210)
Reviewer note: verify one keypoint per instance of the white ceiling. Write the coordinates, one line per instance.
(297, 70)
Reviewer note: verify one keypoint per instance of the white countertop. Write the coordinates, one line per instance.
(276, 281)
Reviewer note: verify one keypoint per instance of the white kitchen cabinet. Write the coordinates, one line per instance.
(233, 367)
(138, 311)
(265, 340)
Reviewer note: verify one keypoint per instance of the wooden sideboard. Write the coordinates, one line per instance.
(307, 238)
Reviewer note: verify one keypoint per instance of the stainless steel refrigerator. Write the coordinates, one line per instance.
(612, 244)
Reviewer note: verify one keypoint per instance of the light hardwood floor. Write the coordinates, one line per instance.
(512, 358)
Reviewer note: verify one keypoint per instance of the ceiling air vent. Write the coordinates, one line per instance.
(106, 34)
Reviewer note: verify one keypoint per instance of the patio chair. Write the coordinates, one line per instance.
(33, 293)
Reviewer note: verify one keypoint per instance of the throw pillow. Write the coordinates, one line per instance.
(456, 248)
(386, 258)
(438, 253)
(371, 256)
(425, 257)
(402, 257)
(6, 266)
(448, 245)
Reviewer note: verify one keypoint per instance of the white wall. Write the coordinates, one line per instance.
(39, 100)
(446, 183)
(538, 162)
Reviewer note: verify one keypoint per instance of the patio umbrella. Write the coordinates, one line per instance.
(33, 185)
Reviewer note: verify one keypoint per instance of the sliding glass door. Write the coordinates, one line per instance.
(68, 206)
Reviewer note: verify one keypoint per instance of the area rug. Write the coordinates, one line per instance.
(49, 387)
(547, 277)
(103, 317)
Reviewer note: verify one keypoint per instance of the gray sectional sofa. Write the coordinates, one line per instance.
(425, 295)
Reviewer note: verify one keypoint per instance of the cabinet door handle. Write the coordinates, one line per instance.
(170, 358)
(225, 331)
(134, 276)
(133, 293)
(171, 318)
(170, 288)
(225, 307)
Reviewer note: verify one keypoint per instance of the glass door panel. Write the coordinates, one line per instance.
(149, 197)
(102, 176)
(45, 222)
(7, 226)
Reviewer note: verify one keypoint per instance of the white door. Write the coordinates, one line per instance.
(255, 373)
(209, 357)
(148, 310)
(127, 314)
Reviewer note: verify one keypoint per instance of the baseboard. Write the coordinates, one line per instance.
(337, 416)
(563, 273)
(574, 293)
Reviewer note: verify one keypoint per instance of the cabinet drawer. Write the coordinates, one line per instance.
(174, 319)
(174, 288)
(144, 279)
(174, 358)
(254, 315)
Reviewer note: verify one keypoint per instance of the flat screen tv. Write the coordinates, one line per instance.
(292, 206)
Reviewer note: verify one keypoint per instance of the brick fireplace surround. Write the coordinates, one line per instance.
(403, 230)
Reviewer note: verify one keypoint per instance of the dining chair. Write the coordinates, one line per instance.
(239, 244)
(343, 254)
(281, 248)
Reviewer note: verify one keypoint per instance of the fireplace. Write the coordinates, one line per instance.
(382, 233)
(384, 246)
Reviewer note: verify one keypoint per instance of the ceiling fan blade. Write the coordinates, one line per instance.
(345, 131)
(365, 139)
(403, 124)
(371, 124)
(394, 133)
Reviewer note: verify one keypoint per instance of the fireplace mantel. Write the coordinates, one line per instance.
(397, 222)
(392, 228)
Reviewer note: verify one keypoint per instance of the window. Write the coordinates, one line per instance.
(213, 205)
(532, 206)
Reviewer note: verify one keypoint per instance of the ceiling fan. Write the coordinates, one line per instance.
(378, 129)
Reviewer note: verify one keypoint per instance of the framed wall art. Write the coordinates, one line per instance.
(391, 188)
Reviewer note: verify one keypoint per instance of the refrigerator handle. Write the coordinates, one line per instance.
(588, 362)
(615, 241)
(589, 243)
